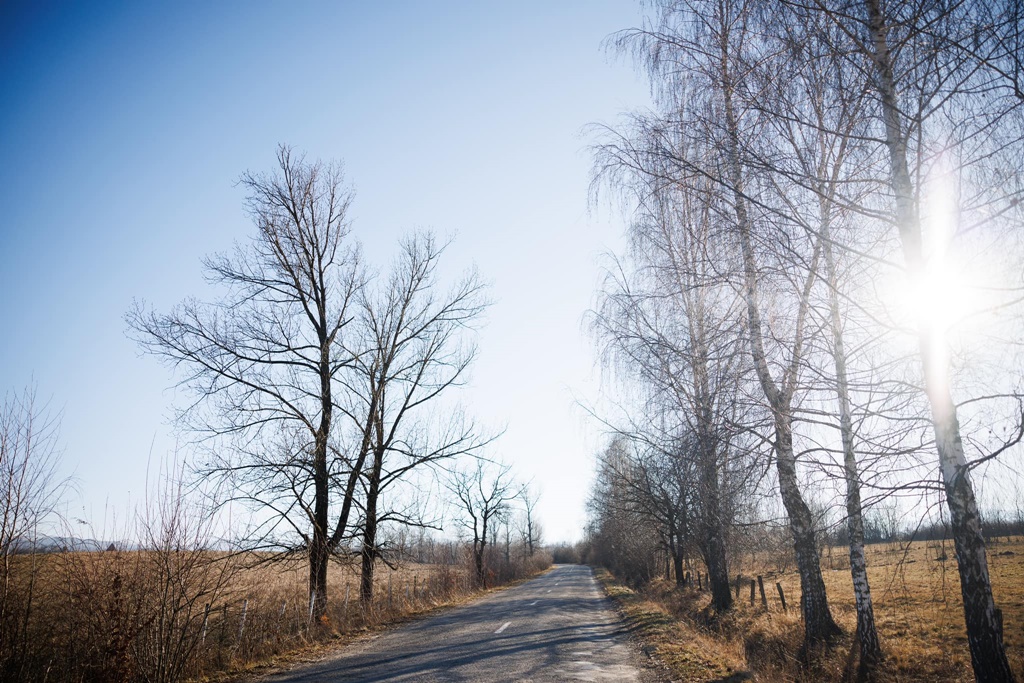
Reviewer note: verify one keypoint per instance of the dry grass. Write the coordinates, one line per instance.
(685, 652)
(169, 616)
(918, 611)
(277, 628)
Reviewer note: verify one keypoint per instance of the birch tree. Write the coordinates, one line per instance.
(815, 150)
(945, 80)
(703, 54)
(670, 320)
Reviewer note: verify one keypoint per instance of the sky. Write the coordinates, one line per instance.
(125, 126)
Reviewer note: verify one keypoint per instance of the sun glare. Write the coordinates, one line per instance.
(937, 295)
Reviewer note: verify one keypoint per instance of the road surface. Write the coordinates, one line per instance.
(556, 627)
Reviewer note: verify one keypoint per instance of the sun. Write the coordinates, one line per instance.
(936, 296)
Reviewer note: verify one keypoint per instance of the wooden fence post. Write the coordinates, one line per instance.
(764, 598)
(782, 596)
(738, 577)
(753, 587)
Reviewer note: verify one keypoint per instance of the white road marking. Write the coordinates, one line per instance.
(504, 626)
(534, 603)
(549, 590)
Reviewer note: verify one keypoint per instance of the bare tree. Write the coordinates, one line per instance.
(946, 85)
(703, 57)
(264, 361)
(414, 352)
(30, 490)
(483, 496)
(529, 525)
(620, 531)
(839, 133)
(673, 323)
(814, 150)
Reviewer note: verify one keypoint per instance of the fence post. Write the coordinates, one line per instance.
(699, 587)
(782, 596)
(738, 576)
(753, 587)
(345, 610)
(764, 598)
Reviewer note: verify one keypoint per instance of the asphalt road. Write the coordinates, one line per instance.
(556, 627)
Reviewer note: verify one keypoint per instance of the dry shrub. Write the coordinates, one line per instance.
(30, 490)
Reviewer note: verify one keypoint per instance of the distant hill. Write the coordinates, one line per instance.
(56, 544)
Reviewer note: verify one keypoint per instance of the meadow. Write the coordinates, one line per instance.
(195, 615)
(918, 611)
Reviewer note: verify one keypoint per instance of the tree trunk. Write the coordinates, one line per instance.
(677, 566)
(318, 576)
(318, 547)
(984, 635)
(478, 561)
(818, 622)
(369, 551)
(368, 557)
(718, 568)
(867, 634)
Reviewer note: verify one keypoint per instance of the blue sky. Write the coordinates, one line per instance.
(123, 129)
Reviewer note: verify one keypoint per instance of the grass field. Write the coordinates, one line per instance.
(194, 615)
(918, 610)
